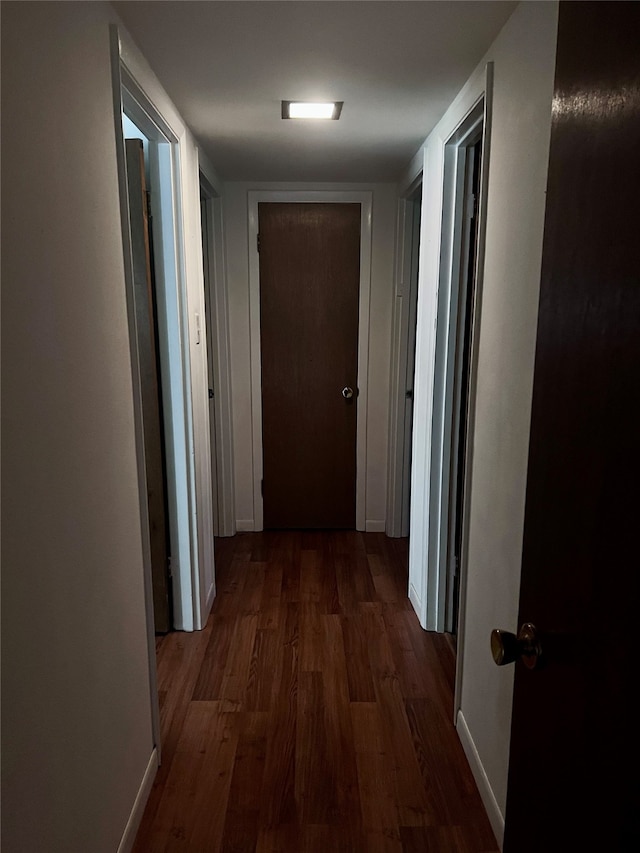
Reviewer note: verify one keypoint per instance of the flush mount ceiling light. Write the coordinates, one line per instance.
(306, 109)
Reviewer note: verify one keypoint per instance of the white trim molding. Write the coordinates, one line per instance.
(179, 278)
(427, 564)
(129, 835)
(496, 818)
(365, 200)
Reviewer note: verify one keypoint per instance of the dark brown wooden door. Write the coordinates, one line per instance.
(309, 297)
(146, 335)
(573, 762)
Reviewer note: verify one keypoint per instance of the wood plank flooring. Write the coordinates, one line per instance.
(312, 713)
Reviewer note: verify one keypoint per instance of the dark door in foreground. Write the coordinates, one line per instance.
(573, 769)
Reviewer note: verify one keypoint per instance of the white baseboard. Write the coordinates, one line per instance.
(496, 818)
(414, 598)
(373, 526)
(133, 824)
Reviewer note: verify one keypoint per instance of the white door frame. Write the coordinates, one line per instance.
(364, 199)
(218, 340)
(430, 475)
(173, 349)
(167, 203)
(116, 79)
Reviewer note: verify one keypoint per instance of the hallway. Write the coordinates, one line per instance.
(312, 712)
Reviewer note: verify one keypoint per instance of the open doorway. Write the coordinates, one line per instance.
(470, 156)
(403, 361)
(446, 158)
(161, 176)
(148, 347)
(212, 384)
(167, 170)
(459, 279)
(415, 202)
(218, 359)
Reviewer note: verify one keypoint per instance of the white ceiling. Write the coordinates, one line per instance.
(396, 65)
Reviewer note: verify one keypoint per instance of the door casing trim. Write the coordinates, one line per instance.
(365, 200)
(427, 566)
(136, 90)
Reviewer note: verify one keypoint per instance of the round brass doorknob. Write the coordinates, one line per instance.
(347, 393)
(506, 647)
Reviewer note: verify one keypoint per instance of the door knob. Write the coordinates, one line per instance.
(506, 647)
(347, 393)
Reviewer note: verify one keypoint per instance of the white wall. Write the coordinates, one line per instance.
(524, 58)
(77, 734)
(383, 235)
(78, 743)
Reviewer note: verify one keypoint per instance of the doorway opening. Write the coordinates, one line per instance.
(167, 164)
(460, 262)
(148, 349)
(161, 149)
(403, 361)
(212, 384)
(218, 361)
(153, 158)
(471, 154)
(416, 203)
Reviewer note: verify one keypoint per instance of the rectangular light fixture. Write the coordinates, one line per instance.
(306, 109)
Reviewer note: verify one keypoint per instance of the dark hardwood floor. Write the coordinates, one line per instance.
(312, 713)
